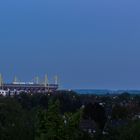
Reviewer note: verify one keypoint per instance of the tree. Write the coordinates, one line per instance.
(49, 123)
(14, 121)
(52, 125)
(124, 96)
(119, 112)
(95, 112)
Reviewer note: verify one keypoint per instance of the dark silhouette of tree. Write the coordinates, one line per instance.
(95, 112)
(15, 123)
(119, 112)
(52, 125)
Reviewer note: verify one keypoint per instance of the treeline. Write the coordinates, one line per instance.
(60, 116)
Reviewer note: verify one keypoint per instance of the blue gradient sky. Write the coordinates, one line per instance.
(88, 43)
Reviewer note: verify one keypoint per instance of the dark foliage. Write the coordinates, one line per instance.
(95, 112)
(58, 116)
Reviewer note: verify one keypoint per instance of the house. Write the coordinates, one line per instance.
(88, 126)
(3, 92)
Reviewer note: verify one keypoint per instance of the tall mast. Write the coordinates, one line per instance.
(15, 79)
(46, 83)
(1, 81)
(56, 80)
(37, 80)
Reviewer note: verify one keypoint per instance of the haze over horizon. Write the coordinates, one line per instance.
(88, 44)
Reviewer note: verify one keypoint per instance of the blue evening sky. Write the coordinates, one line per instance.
(87, 43)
